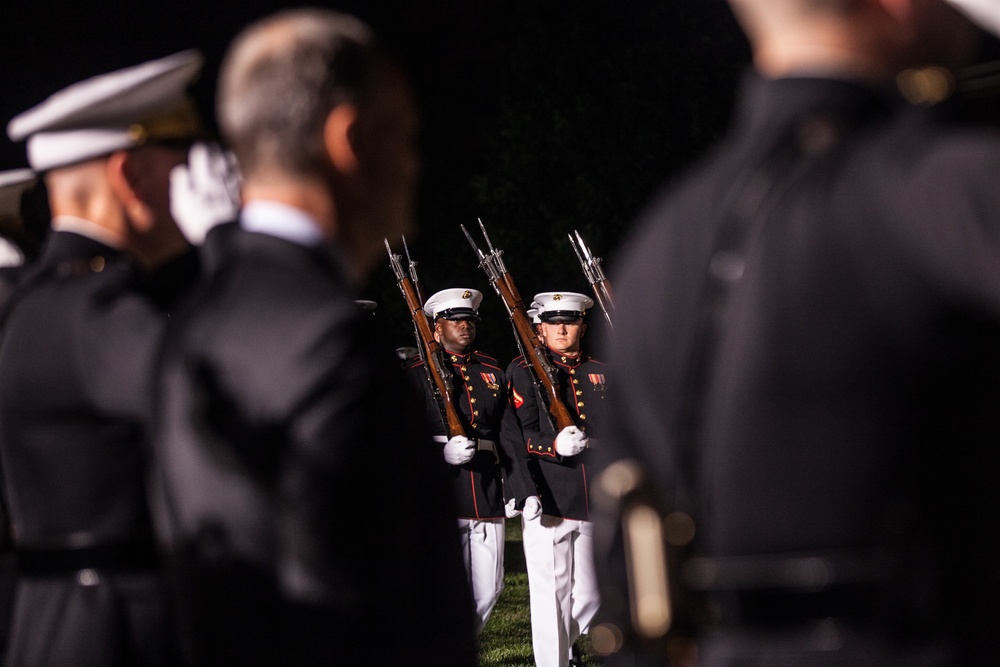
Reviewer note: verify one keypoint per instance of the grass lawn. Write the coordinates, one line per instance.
(506, 639)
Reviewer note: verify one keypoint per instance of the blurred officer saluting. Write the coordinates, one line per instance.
(75, 362)
(557, 533)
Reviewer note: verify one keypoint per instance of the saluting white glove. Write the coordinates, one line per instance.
(532, 508)
(205, 191)
(459, 450)
(510, 510)
(570, 441)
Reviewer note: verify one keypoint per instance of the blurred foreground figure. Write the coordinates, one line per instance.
(79, 340)
(304, 505)
(13, 185)
(808, 360)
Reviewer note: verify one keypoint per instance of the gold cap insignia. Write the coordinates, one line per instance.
(178, 123)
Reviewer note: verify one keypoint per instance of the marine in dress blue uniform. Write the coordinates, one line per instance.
(476, 466)
(558, 542)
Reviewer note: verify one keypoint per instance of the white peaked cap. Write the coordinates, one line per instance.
(13, 183)
(532, 313)
(110, 112)
(984, 13)
(456, 303)
(554, 305)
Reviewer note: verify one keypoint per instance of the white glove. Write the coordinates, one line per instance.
(205, 191)
(570, 441)
(532, 508)
(459, 450)
(510, 510)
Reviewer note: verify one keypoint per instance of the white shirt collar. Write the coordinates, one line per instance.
(88, 228)
(282, 221)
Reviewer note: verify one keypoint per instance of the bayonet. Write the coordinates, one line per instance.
(439, 374)
(594, 274)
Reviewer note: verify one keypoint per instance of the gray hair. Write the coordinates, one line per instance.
(281, 78)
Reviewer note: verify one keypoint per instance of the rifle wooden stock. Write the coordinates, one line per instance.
(534, 350)
(433, 354)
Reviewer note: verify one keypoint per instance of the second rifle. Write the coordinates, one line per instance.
(532, 348)
(431, 353)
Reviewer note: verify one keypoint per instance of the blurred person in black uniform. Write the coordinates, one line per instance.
(556, 526)
(807, 356)
(14, 184)
(78, 342)
(304, 506)
(476, 461)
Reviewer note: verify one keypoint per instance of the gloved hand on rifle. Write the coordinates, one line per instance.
(205, 191)
(532, 508)
(510, 510)
(457, 449)
(570, 441)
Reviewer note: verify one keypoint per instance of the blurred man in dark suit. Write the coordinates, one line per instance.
(807, 355)
(300, 495)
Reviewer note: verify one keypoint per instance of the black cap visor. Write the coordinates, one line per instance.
(458, 314)
(560, 316)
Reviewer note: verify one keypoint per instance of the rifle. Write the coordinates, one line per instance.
(527, 341)
(412, 266)
(439, 374)
(591, 266)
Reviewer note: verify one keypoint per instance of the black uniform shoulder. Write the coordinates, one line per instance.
(280, 280)
(485, 359)
(520, 362)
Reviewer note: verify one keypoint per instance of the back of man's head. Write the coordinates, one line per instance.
(279, 81)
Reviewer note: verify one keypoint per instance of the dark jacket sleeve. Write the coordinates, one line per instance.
(418, 374)
(520, 419)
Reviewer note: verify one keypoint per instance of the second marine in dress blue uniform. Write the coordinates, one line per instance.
(558, 544)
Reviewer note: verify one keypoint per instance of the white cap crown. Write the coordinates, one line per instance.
(561, 306)
(110, 112)
(454, 304)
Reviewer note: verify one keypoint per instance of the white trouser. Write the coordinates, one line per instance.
(562, 583)
(482, 548)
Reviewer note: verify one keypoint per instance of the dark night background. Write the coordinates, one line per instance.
(540, 117)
